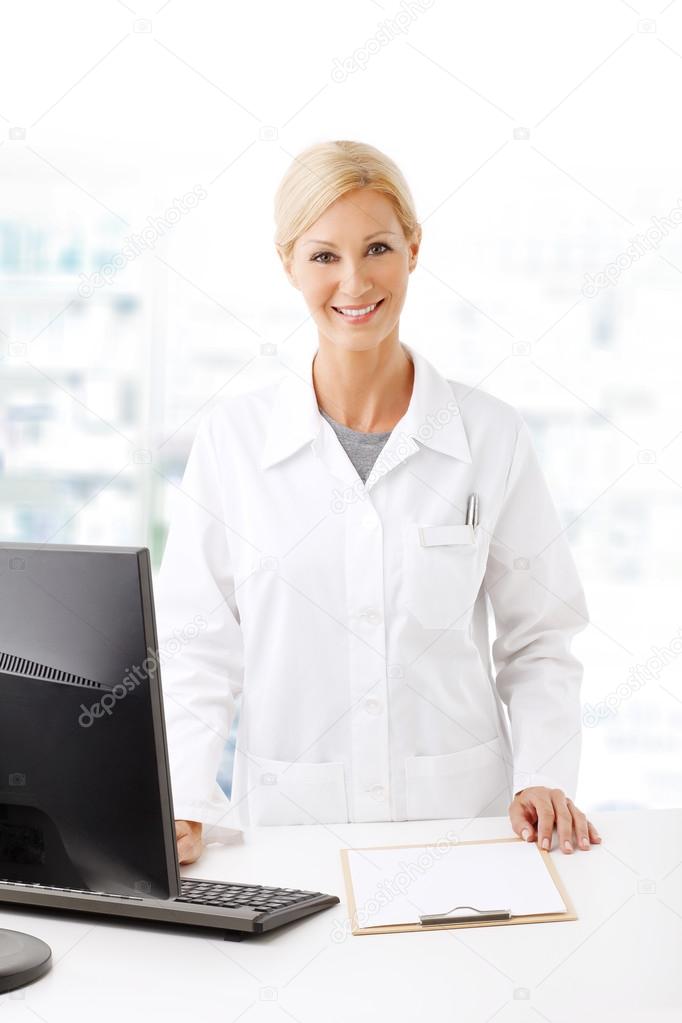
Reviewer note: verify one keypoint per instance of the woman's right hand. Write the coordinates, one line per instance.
(188, 835)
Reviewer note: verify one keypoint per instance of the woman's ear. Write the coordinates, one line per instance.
(415, 242)
(287, 264)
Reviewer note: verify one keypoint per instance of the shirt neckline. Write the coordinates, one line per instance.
(358, 433)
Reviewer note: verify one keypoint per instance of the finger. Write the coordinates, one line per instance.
(564, 821)
(595, 837)
(529, 829)
(522, 817)
(545, 823)
(528, 832)
(580, 824)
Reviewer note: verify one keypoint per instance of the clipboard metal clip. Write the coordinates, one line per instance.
(453, 917)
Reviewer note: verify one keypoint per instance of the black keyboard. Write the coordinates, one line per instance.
(236, 909)
(240, 896)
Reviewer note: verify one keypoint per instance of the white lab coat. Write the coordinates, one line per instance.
(359, 644)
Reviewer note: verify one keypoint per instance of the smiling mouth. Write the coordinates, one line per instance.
(362, 314)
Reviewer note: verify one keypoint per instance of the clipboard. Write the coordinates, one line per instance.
(457, 916)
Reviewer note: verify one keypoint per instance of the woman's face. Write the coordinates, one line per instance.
(337, 265)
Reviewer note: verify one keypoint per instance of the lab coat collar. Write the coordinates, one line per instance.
(433, 417)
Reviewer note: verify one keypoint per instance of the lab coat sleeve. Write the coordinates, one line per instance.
(539, 605)
(200, 641)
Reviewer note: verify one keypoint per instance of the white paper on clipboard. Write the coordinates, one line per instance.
(397, 885)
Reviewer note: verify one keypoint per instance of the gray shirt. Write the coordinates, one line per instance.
(362, 448)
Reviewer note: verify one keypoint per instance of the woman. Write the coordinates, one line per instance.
(327, 541)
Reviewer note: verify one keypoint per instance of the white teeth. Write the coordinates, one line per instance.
(358, 312)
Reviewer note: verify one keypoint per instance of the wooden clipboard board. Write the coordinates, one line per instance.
(536, 918)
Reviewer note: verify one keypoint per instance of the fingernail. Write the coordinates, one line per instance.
(584, 841)
(567, 845)
(545, 843)
(524, 834)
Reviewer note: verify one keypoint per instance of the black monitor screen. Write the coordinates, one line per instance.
(84, 788)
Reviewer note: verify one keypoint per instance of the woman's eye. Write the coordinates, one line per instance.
(325, 262)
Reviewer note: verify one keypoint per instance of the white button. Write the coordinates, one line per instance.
(377, 792)
(371, 615)
(373, 706)
(369, 521)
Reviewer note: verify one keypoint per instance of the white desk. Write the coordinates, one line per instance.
(620, 961)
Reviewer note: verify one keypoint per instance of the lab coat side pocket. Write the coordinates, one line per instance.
(472, 782)
(442, 573)
(296, 792)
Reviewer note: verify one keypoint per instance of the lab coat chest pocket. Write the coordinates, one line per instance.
(296, 792)
(443, 569)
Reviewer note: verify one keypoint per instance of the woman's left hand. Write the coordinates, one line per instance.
(534, 812)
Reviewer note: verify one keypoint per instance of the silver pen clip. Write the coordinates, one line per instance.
(472, 511)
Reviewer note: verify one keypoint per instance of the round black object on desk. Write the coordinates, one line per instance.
(23, 958)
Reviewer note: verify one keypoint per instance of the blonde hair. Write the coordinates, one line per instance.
(322, 173)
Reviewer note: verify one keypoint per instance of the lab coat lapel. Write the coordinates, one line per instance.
(432, 419)
(296, 421)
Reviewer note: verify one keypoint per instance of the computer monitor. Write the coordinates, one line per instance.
(85, 798)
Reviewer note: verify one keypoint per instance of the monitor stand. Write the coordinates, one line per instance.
(23, 958)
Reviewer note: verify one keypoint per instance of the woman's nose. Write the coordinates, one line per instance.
(355, 283)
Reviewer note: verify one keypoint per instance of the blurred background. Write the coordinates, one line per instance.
(140, 148)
